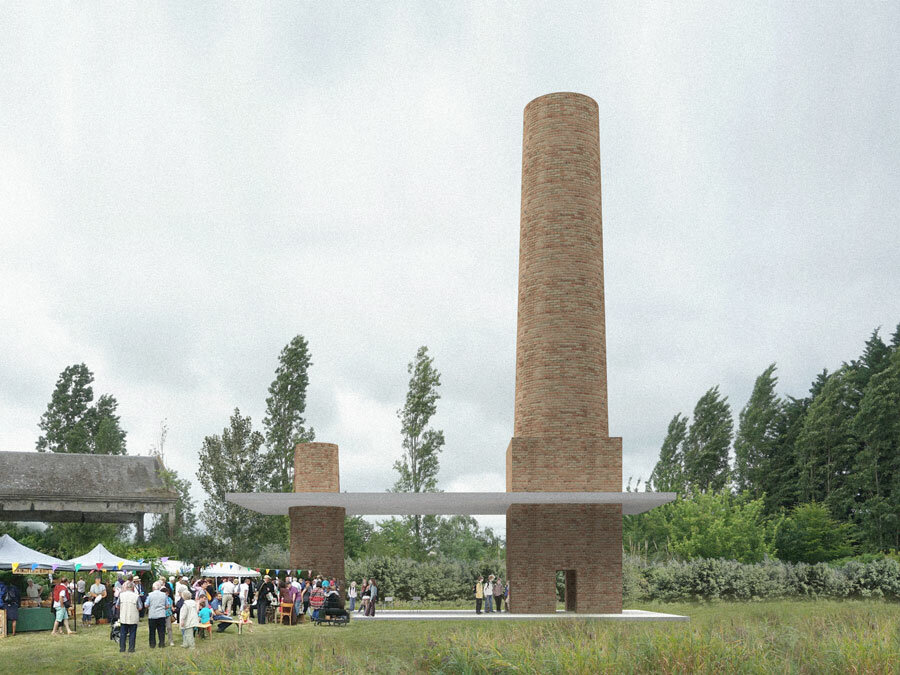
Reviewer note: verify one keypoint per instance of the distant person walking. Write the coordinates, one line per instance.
(479, 594)
(12, 598)
(489, 594)
(156, 615)
(265, 597)
(60, 602)
(244, 594)
(129, 614)
(351, 595)
(499, 588)
(188, 620)
(227, 592)
(373, 598)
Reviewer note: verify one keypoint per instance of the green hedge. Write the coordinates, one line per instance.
(713, 579)
(699, 579)
(404, 579)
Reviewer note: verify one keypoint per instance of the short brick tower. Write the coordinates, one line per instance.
(561, 439)
(317, 532)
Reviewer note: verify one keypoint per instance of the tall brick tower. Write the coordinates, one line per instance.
(317, 532)
(561, 441)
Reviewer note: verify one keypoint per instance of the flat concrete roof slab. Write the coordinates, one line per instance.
(439, 503)
(44, 476)
(470, 615)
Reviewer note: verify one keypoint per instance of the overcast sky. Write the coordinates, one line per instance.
(185, 187)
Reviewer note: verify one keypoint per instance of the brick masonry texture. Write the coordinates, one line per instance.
(317, 532)
(317, 539)
(584, 538)
(564, 465)
(561, 433)
(316, 468)
(561, 345)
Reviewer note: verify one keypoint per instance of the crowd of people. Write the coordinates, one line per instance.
(202, 602)
(194, 606)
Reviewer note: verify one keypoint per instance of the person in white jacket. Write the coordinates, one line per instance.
(129, 614)
(489, 594)
(188, 620)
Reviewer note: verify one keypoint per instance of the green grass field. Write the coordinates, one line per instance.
(766, 637)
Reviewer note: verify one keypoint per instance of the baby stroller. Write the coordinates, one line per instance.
(332, 612)
(114, 624)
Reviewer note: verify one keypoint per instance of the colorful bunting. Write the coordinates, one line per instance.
(77, 566)
(15, 566)
(99, 566)
(34, 566)
(267, 570)
(119, 564)
(54, 566)
(164, 559)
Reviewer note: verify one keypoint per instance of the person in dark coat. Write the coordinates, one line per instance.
(266, 595)
(10, 598)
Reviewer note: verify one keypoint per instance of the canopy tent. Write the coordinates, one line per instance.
(12, 553)
(228, 569)
(100, 558)
(176, 566)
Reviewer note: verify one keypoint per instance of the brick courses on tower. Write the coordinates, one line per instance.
(561, 435)
(317, 532)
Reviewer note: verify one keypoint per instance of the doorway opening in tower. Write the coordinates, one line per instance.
(567, 589)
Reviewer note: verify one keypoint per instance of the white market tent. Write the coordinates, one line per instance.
(176, 566)
(228, 569)
(99, 554)
(12, 552)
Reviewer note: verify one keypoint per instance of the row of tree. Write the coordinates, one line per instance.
(838, 446)
(243, 459)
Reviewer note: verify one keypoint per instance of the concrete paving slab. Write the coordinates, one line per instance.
(470, 615)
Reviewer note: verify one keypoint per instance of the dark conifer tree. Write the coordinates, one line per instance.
(668, 474)
(708, 443)
(756, 440)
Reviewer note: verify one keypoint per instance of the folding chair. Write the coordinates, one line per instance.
(285, 611)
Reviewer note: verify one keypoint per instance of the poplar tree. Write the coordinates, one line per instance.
(876, 470)
(284, 422)
(668, 474)
(756, 440)
(826, 445)
(708, 443)
(780, 481)
(418, 467)
(231, 462)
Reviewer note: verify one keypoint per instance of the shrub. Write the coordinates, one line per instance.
(404, 578)
(809, 534)
(729, 580)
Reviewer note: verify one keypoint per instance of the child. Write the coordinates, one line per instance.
(170, 612)
(205, 614)
(86, 608)
(245, 618)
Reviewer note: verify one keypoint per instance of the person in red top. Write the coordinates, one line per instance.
(60, 598)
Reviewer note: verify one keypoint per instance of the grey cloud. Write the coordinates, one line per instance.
(183, 189)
